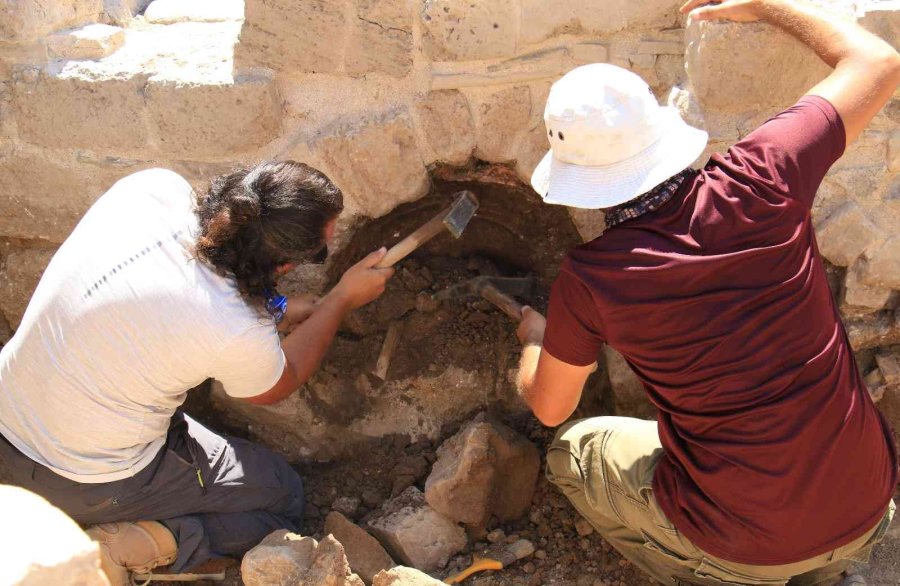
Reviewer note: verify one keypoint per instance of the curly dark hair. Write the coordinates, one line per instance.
(257, 218)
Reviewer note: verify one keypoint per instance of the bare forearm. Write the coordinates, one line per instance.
(307, 344)
(527, 369)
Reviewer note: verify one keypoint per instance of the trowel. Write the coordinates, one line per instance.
(498, 290)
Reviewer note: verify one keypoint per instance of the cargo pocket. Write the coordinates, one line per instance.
(864, 553)
(712, 573)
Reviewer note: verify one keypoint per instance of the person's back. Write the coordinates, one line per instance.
(719, 302)
(123, 322)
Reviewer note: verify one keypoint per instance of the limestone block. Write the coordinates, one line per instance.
(364, 553)
(846, 234)
(29, 20)
(882, 267)
(589, 223)
(19, 277)
(43, 546)
(859, 295)
(415, 533)
(67, 110)
(169, 11)
(542, 20)
(894, 152)
(661, 47)
(300, 37)
(205, 121)
(93, 41)
(485, 470)
(500, 115)
(445, 120)
(375, 161)
(889, 365)
(548, 64)
(532, 147)
(628, 390)
(726, 61)
(120, 12)
(586, 53)
(403, 576)
(381, 40)
(286, 559)
(461, 30)
(43, 198)
(883, 21)
(873, 331)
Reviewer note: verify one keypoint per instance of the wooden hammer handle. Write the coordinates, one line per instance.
(409, 244)
(504, 302)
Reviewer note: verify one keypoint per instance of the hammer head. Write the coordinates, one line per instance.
(515, 286)
(461, 212)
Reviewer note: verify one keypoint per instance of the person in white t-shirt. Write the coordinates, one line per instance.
(155, 291)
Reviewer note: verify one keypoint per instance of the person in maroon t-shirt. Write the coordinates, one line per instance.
(769, 462)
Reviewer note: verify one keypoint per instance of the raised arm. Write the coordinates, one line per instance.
(866, 69)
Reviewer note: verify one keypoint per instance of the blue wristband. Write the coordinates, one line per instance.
(276, 305)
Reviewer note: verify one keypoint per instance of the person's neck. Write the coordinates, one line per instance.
(646, 202)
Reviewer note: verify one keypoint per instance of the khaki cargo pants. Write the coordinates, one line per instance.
(605, 466)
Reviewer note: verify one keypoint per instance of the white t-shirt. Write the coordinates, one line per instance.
(123, 323)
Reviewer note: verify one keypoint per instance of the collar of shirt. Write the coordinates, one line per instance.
(646, 202)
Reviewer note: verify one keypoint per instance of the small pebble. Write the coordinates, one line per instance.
(540, 554)
(529, 568)
(496, 536)
(583, 527)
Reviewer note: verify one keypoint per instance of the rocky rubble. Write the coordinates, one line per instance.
(287, 559)
(366, 556)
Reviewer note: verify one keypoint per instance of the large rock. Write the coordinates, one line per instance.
(170, 11)
(302, 37)
(19, 276)
(42, 546)
(882, 267)
(403, 576)
(287, 559)
(462, 30)
(726, 61)
(628, 390)
(364, 553)
(500, 116)
(375, 161)
(858, 295)
(872, 331)
(845, 234)
(381, 40)
(542, 20)
(485, 470)
(29, 20)
(415, 533)
(445, 120)
(120, 12)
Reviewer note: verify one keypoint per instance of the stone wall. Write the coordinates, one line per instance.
(377, 93)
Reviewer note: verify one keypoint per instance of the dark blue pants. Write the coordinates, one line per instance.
(247, 492)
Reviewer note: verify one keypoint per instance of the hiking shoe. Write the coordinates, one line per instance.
(132, 547)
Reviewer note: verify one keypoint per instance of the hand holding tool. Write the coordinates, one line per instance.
(497, 290)
(495, 561)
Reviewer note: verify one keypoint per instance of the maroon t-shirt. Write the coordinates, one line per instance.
(774, 451)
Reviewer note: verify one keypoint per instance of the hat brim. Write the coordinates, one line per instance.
(581, 186)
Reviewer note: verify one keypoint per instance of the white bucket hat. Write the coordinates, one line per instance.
(610, 139)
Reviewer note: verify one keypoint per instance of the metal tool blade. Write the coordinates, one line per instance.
(461, 212)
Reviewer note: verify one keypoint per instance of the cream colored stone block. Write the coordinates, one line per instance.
(29, 20)
(204, 122)
(446, 122)
(727, 61)
(532, 147)
(375, 161)
(294, 37)
(661, 47)
(860, 295)
(845, 234)
(93, 41)
(589, 223)
(882, 20)
(463, 30)
(585, 53)
(894, 152)
(882, 267)
(68, 111)
(170, 11)
(382, 39)
(889, 365)
(500, 115)
(42, 198)
(540, 65)
(22, 269)
(120, 12)
(42, 546)
(542, 20)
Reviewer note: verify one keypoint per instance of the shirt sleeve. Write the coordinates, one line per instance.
(572, 335)
(792, 152)
(252, 363)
